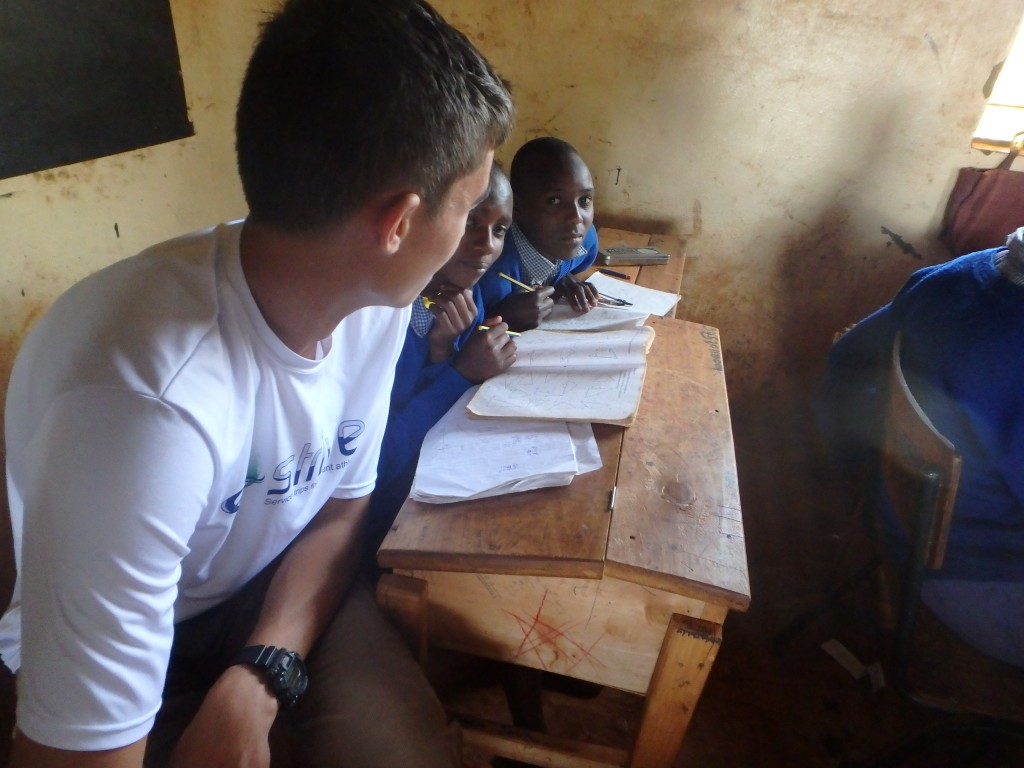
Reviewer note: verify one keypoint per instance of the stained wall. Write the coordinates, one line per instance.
(57, 226)
(803, 147)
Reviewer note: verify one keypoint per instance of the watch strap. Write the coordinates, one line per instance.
(284, 670)
(258, 655)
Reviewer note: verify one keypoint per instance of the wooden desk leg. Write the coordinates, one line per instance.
(687, 653)
(404, 600)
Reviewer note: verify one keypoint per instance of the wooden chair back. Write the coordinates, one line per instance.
(920, 470)
(920, 474)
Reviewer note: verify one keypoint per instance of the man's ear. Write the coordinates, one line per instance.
(394, 219)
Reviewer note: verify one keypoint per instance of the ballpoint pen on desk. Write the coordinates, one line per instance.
(612, 301)
(487, 328)
(613, 273)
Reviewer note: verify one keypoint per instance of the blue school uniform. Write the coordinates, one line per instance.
(963, 352)
(516, 259)
(423, 392)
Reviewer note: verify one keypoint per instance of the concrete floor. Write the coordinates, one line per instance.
(770, 704)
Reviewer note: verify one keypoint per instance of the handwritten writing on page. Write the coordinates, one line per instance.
(464, 458)
(565, 318)
(595, 377)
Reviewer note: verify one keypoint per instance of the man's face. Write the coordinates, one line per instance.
(556, 211)
(434, 235)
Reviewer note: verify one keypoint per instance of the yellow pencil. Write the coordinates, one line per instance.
(487, 328)
(428, 303)
(516, 282)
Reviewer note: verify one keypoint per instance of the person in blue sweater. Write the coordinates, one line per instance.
(963, 352)
(552, 236)
(449, 346)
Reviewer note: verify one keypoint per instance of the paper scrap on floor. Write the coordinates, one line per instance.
(649, 300)
(464, 458)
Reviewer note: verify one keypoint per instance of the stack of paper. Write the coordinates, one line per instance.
(464, 458)
(648, 300)
(592, 376)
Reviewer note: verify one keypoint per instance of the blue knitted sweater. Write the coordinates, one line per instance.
(963, 352)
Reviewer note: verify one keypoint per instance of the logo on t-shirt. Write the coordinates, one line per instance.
(252, 476)
(301, 471)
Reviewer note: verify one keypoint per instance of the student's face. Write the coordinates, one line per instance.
(483, 240)
(435, 234)
(556, 212)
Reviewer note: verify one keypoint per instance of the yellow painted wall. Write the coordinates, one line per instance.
(781, 136)
(788, 133)
(59, 225)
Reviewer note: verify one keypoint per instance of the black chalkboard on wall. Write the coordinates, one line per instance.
(80, 80)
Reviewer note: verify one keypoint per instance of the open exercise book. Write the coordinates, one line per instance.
(463, 458)
(565, 318)
(586, 376)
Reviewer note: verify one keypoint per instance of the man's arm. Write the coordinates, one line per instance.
(26, 753)
(232, 725)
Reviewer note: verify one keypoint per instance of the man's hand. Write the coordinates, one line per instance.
(233, 723)
(232, 727)
(454, 311)
(524, 310)
(581, 296)
(486, 353)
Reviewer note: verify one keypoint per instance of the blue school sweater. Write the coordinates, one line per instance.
(494, 288)
(963, 354)
(422, 393)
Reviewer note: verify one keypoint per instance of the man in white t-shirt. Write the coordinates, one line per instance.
(192, 433)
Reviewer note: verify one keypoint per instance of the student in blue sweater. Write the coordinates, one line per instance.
(446, 352)
(552, 236)
(963, 352)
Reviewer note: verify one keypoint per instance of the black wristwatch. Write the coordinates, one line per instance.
(284, 670)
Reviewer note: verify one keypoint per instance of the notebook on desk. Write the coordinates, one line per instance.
(498, 456)
(570, 376)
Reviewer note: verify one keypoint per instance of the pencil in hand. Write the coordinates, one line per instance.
(487, 328)
(516, 282)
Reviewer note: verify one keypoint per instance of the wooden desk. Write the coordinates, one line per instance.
(661, 277)
(632, 597)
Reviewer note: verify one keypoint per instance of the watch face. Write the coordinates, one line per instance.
(293, 673)
(289, 677)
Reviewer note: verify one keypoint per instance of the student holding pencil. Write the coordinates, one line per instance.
(551, 240)
(449, 347)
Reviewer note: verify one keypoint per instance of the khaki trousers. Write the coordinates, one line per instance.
(368, 704)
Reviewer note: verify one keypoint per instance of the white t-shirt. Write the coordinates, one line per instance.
(163, 447)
